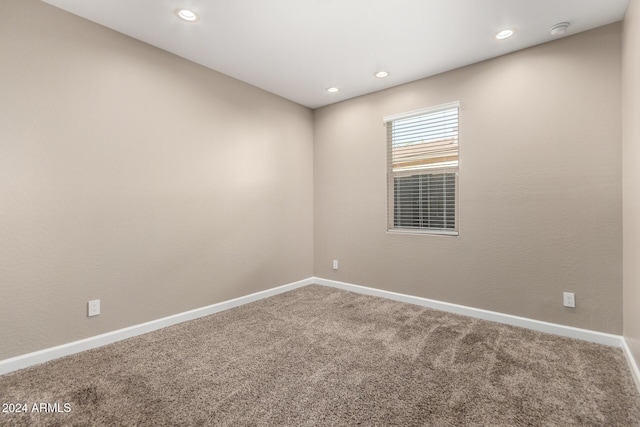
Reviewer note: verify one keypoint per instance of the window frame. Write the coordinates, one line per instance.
(391, 228)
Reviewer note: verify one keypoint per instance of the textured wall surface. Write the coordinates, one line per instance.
(133, 176)
(540, 186)
(631, 174)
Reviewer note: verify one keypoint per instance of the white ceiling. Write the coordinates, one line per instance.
(298, 48)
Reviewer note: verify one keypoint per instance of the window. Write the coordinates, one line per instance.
(422, 170)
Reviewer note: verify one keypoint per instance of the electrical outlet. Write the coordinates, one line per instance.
(335, 264)
(569, 299)
(93, 307)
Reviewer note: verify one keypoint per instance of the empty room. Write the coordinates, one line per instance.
(320, 212)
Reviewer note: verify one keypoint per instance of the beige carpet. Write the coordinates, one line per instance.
(321, 356)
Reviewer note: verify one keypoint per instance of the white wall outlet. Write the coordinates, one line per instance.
(335, 264)
(569, 299)
(93, 307)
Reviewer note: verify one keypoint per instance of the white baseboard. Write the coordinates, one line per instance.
(523, 322)
(633, 366)
(41, 356)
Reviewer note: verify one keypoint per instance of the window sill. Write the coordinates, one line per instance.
(423, 232)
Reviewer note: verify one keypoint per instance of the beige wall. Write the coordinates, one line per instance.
(133, 176)
(540, 187)
(631, 175)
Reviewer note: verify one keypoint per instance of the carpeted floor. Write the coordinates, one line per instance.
(322, 356)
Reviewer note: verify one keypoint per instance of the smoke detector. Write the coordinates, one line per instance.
(559, 29)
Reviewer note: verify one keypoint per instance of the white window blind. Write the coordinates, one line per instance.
(422, 170)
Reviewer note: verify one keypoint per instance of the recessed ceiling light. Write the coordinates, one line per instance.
(505, 34)
(187, 15)
(381, 74)
(559, 29)
(333, 90)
